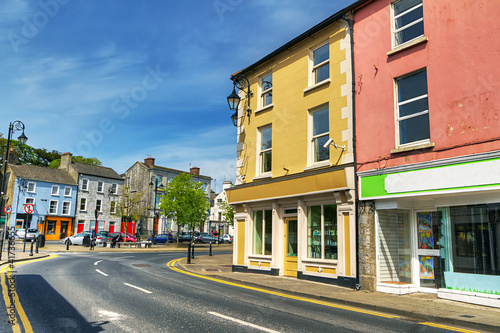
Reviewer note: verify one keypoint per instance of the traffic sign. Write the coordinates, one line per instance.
(29, 208)
(7, 209)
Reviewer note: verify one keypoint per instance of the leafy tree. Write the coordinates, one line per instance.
(185, 201)
(45, 157)
(130, 204)
(227, 212)
(80, 159)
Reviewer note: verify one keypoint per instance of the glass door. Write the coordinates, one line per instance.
(291, 234)
(428, 254)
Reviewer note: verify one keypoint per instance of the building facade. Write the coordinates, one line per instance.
(294, 194)
(217, 223)
(428, 148)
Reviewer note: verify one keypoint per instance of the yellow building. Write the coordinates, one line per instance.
(294, 198)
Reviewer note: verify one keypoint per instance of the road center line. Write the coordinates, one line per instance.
(138, 288)
(98, 271)
(243, 322)
(95, 264)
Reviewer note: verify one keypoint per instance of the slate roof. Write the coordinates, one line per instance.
(40, 173)
(95, 170)
(170, 169)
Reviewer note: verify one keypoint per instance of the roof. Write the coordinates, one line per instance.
(95, 170)
(335, 17)
(167, 169)
(43, 174)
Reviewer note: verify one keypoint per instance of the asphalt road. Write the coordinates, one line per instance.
(137, 292)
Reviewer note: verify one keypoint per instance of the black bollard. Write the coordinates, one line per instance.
(189, 254)
(37, 243)
(210, 254)
(24, 243)
(192, 251)
(67, 244)
(31, 250)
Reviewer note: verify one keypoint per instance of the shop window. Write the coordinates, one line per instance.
(51, 227)
(408, 21)
(262, 232)
(322, 232)
(394, 246)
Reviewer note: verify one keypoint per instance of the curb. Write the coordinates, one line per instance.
(44, 255)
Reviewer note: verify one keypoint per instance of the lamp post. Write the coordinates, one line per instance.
(14, 126)
(155, 184)
(240, 82)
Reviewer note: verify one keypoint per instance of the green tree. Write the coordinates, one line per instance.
(227, 212)
(129, 206)
(185, 202)
(80, 159)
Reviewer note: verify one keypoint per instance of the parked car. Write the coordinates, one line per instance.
(227, 238)
(32, 233)
(163, 238)
(103, 237)
(76, 239)
(20, 233)
(129, 237)
(186, 236)
(205, 237)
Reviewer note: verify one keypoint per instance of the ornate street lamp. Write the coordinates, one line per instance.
(233, 100)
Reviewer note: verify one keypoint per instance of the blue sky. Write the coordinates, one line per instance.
(121, 80)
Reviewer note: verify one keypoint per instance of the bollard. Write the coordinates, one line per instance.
(67, 244)
(192, 251)
(24, 242)
(210, 254)
(31, 250)
(36, 244)
(189, 254)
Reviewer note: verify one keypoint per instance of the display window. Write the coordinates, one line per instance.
(322, 232)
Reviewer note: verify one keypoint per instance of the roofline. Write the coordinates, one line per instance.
(335, 17)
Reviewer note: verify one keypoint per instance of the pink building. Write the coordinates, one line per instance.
(427, 108)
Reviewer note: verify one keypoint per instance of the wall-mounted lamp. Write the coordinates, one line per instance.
(242, 83)
(331, 142)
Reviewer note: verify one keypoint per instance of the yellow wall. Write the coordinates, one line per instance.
(289, 116)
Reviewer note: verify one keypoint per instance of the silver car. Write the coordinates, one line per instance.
(76, 239)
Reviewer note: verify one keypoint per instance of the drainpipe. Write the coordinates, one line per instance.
(350, 22)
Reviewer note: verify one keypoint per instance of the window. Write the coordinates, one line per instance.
(55, 190)
(322, 232)
(114, 189)
(66, 207)
(85, 184)
(320, 134)
(29, 201)
(263, 232)
(100, 187)
(321, 63)
(83, 204)
(98, 205)
(413, 109)
(31, 187)
(53, 207)
(67, 191)
(112, 207)
(408, 20)
(51, 227)
(265, 149)
(267, 90)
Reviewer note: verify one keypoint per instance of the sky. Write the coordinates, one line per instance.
(123, 80)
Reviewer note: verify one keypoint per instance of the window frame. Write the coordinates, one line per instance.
(114, 189)
(56, 207)
(84, 201)
(85, 184)
(313, 138)
(395, 30)
(323, 234)
(29, 200)
(263, 234)
(68, 204)
(100, 184)
(112, 207)
(314, 68)
(260, 152)
(264, 92)
(66, 188)
(52, 190)
(397, 104)
(33, 190)
(98, 204)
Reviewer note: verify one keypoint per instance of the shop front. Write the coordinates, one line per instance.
(57, 227)
(437, 229)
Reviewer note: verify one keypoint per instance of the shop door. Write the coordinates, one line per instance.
(155, 226)
(64, 230)
(291, 234)
(428, 254)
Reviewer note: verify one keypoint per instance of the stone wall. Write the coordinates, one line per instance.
(367, 245)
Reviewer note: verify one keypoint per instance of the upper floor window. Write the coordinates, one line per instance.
(100, 187)
(55, 190)
(267, 90)
(112, 207)
(31, 187)
(320, 134)
(85, 184)
(67, 191)
(53, 207)
(321, 63)
(83, 204)
(98, 205)
(412, 109)
(265, 139)
(114, 189)
(66, 207)
(29, 201)
(408, 20)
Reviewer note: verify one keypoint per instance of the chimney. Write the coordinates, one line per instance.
(226, 184)
(149, 161)
(194, 171)
(13, 157)
(65, 161)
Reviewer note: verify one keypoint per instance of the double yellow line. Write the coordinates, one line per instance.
(15, 312)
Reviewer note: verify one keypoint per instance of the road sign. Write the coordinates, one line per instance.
(7, 209)
(29, 208)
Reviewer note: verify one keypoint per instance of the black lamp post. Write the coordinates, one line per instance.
(155, 184)
(233, 100)
(14, 126)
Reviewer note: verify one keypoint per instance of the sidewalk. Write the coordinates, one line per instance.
(419, 306)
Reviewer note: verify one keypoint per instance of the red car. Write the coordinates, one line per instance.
(129, 238)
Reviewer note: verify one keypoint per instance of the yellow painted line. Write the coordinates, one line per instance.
(172, 263)
(449, 328)
(6, 270)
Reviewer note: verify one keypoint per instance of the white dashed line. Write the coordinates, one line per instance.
(264, 329)
(98, 271)
(138, 288)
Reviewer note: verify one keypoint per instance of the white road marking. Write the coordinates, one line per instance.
(98, 271)
(124, 258)
(243, 322)
(109, 315)
(95, 264)
(138, 288)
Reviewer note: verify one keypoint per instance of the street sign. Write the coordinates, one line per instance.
(29, 208)
(7, 209)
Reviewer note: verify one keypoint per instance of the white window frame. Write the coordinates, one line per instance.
(85, 184)
(56, 208)
(314, 68)
(399, 119)
(56, 187)
(114, 189)
(29, 200)
(68, 204)
(311, 151)
(100, 184)
(66, 190)
(263, 93)
(112, 207)
(100, 205)
(85, 205)
(260, 153)
(33, 189)
(395, 17)
(263, 233)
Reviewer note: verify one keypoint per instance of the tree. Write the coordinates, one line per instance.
(79, 159)
(227, 212)
(185, 201)
(129, 206)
